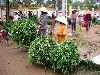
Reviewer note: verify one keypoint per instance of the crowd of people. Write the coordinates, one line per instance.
(20, 15)
(17, 15)
(58, 24)
(72, 21)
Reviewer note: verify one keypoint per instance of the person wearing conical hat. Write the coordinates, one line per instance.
(61, 29)
(43, 22)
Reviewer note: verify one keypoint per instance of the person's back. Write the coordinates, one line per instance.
(43, 21)
(43, 30)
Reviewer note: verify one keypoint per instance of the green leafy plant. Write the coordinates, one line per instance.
(60, 57)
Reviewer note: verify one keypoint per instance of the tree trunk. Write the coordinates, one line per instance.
(7, 10)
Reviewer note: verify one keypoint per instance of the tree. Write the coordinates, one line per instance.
(27, 2)
(7, 9)
(54, 3)
(59, 4)
(13, 4)
(89, 4)
(69, 3)
(39, 2)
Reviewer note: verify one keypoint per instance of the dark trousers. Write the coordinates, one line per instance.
(73, 26)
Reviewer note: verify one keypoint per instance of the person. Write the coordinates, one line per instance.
(1, 21)
(61, 29)
(15, 16)
(73, 21)
(29, 14)
(69, 21)
(53, 23)
(87, 21)
(4, 37)
(43, 22)
(94, 19)
(20, 14)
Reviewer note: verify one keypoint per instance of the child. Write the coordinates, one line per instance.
(4, 37)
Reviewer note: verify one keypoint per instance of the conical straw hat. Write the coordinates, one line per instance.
(62, 19)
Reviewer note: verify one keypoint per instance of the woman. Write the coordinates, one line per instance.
(61, 29)
(87, 21)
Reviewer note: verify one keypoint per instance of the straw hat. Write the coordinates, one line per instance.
(43, 9)
(62, 19)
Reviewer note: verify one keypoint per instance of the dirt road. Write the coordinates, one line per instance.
(91, 42)
(14, 62)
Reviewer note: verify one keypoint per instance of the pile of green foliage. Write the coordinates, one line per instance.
(60, 57)
(23, 32)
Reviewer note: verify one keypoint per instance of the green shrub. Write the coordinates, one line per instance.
(60, 57)
(23, 32)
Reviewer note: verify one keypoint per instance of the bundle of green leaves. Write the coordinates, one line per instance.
(60, 57)
(23, 32)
